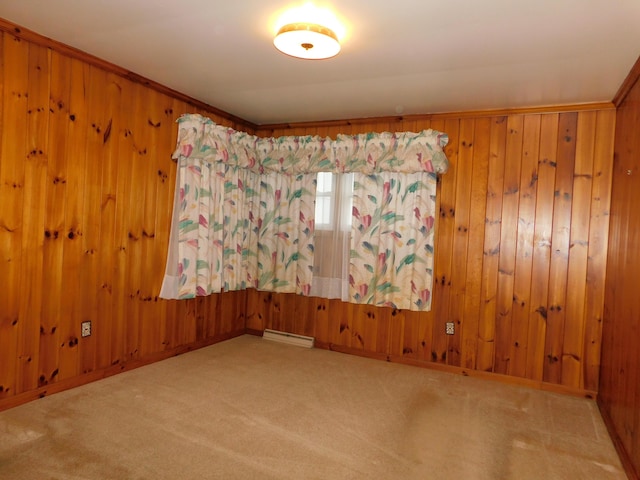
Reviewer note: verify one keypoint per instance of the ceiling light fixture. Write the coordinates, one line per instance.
(307, 40)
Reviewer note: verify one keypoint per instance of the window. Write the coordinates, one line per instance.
(325, 201)
(334, 201)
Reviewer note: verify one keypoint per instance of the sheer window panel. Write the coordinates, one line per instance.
(332, 236)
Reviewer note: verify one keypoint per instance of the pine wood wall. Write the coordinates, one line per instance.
(520, 246)
(86, 189)
(619, 397)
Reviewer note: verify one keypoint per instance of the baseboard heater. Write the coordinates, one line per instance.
(289, 338)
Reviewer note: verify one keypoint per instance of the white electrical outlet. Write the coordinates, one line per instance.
(85, 330)
(450, 328)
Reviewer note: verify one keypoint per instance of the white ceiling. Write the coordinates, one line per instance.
(399, 56)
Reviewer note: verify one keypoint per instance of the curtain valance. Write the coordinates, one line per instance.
(406, 152)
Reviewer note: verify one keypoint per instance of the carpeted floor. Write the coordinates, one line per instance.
(249, 408)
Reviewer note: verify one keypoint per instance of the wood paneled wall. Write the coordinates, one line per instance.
(619, 397)
(521, 244)
(86, 190)
(86, 184)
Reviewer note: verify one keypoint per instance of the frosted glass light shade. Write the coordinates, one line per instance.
(307, 40)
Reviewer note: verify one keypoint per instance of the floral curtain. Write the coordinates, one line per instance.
(283, 224)
(234, 228)
(244, 211)
(392, 244)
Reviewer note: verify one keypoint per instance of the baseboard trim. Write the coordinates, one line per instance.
(95, 375)
(625, 457)
(496, 377)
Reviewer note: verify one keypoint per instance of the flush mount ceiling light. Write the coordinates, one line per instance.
(307, 40)
(309, 31)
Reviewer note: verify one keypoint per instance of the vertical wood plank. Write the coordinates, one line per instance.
(35, 176)
(74, 229)
(189, 320)
(445, 225)
(138, 155)
(202, 317)
(171, 110)
(151, 338)
(397, 334)
(306, 321)
(491, 254)
(464, 176)
(123, 259)
(322, 331)
(170, 317)
(108, 254)
(57, 191)
(15, 71)
(422, 327)
(538, 311)
(255, 318)
(92, 168)
(421, 324)
(598, 246)
(508, 243)
(573, 342)
(478, 204)
(560, 244)
(524, 246)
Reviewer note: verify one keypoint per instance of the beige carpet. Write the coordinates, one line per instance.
(249, 408)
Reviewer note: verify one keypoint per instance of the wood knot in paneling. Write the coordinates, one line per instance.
(36, 152)
(572, 356)
(546, 161)
(493, 252)
(6, 228)
(542, 311)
